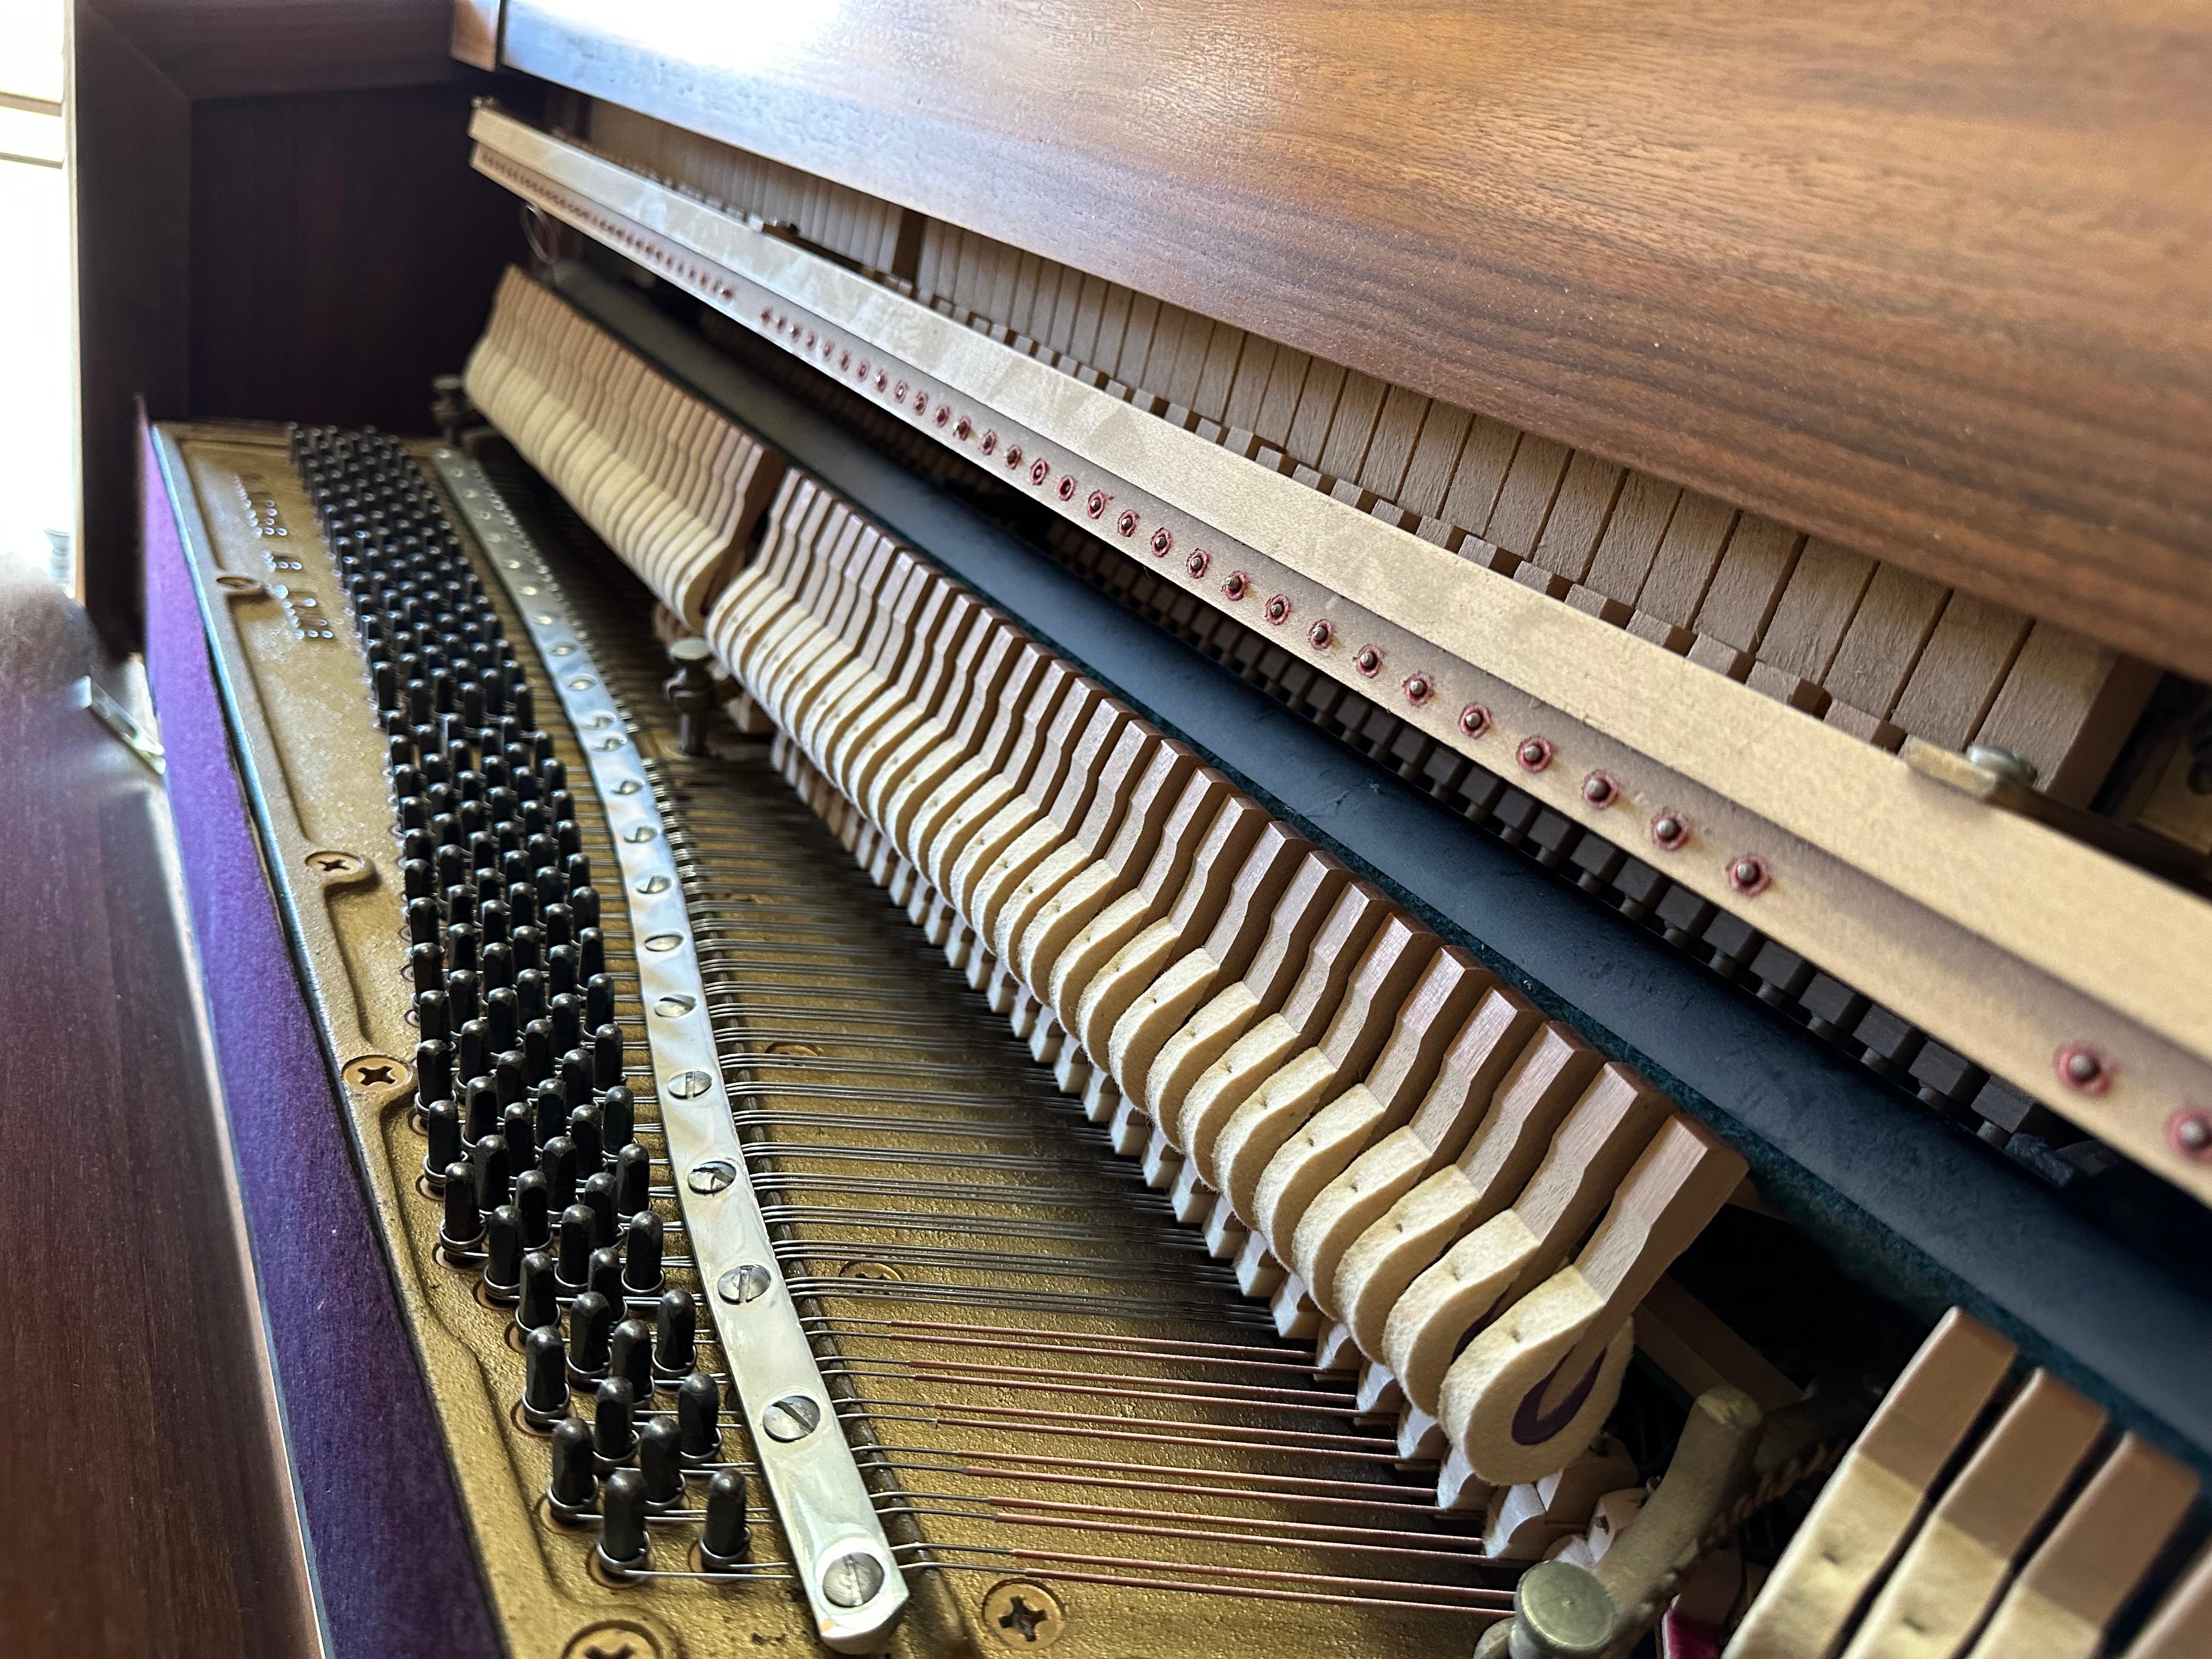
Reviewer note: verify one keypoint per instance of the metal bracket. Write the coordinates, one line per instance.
(136, 735)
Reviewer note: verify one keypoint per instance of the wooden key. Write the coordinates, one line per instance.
(1519, 1249)
(1166, 1001)
(1315, 1151)
(1545, 1079)
(1134, 792)
(1061, 695)
(1960, 1559)
(1125, 913)
(1487, 1043)
(1077, 881)
(1279, 1006)
(1875, 1495)
(1252, 1135)
(1243, 862)
(2067, 705)
(1241, 996)
(1536, 1385)
(2063, 1603)
(2182, 1627)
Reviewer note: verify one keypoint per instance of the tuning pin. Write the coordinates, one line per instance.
(462, 940)
(559, 922)
(424, 922)
(556, 1160)
(546, 883)
(545, 1377)
(530, 988)
(575, 1072)
(606, 1273)
(463, 1221)
(575, 1482)
(460, 902)
(591, 1324)
(417, 844)
(472, 1048)
(548, 1103)
(598, 1197)
(624, 1545)
(614, 1415)
(566, 1011)
(660, 1462)
(725, 1542)
(495, 959)
(433, 1070)
(480, 1108)
(418, 879)
(426, 964)
(675, 1332)
(502, 1014)
(618, 1113)
(463, 991)
(641, 1253)
(533, 1208)
(592, 944)
(510, 1078)
(584, 1128)
(699, 1415)
(598, 1000)
(633, 1179)
(606, 1054)
(539, 1305)
(495, 1174)
(441, 1125)
(433, 1017)
(520, 1135)
(502, 1273)
(584, 905)
(629, 1354)
(567, 835)
(573, 1249)
(522, 898)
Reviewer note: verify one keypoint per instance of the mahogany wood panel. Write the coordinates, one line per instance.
(147, 1501)
(1928, 280)
(235, 48)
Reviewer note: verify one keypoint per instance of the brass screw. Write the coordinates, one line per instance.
(1023, 1614)
(608, 1640)
(375, 1072)
(328, 863)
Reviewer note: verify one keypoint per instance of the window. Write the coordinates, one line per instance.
(37, 411)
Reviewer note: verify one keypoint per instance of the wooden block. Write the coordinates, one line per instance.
(1641, 511)
(1961, 671)
(1247, 384)
(1525, 498)
(1740, 601)
(1479, 471)
(1278, 404)
(1688, 553)
(1884, 641)
(1721, 657)
(2067, 705)
(1435, 454)
(1784, 687)
(1317, 401)
(1603, 606)
(1957, 1565)
(1351, 428)
(1397, 430)
(1875, 1496)
(1577, 522)
(1225, 351)
(2182, 1627)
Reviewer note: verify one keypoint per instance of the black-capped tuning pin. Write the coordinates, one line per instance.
(559, 923)
(598, 1000)
(529, 943)
(452, 866)
(502, 1012)
(432, 1016)
(495, 1172)
(543, 852)
(641, 1246)
(463, 991)
(502, 1273)
(462, 940)
(699, 1415)
(545, 1377)
(605, 1275)
(606, 1054)
(415, 814)
(533, 1208)
(577, 866)
(552, 774)
(426, 965)
(573, 1258)
(433, 1070)
(584, 905)
(633, 1179)
(529, 984)
(510, 1077)
(586, 1129)
(566, 1011)
(547, 885)
(624, 1544)
(725, 1542)
(592, 946)
(538, 1049)
(520, 1134)
(549, 1101)
(590, 1325)
(417, 844)
(556, 1161)
(614, 1420)
(675, 1332)
(460, 902)
(540, 1303)
(480, 1108)
(515, 868)
(521, 704)
(472, 1049)
(629, 1356)
(576, 1483)
(574, 1071)
(597, 1195)
(385, 684)
(568, 836)
(660, 1462)
(463, 1221)
(494, 960)
(418, 879)
(441, 1125)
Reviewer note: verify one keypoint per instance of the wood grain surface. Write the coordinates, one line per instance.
(148, 1507)
(1926, 282)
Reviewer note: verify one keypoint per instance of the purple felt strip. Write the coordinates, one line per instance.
(392, 1554)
